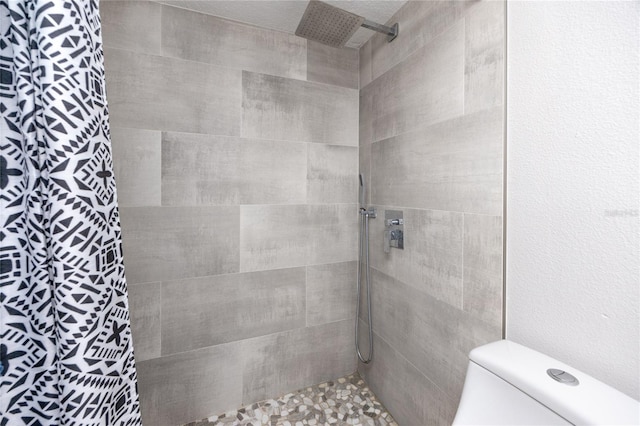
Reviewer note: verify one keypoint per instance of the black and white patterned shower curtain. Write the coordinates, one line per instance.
(65, 340)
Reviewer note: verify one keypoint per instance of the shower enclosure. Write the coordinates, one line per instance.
(237, 151)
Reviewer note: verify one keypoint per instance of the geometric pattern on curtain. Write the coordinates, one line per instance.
(65, 338)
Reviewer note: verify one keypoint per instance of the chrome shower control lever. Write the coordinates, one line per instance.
(394, 230)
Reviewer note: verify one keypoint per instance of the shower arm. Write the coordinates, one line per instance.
(391, 32)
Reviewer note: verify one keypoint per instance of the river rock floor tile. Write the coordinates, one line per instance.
(345, 401)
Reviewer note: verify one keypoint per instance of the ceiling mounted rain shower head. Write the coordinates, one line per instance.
(327, 24)
(333, 26)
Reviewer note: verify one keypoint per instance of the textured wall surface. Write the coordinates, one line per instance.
(431, 145)
(573, 237)
(236, 157)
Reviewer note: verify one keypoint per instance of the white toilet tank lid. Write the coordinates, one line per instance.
(591, 402)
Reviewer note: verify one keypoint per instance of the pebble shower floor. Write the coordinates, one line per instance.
(345, 401)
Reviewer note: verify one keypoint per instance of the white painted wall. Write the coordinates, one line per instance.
(573, 195)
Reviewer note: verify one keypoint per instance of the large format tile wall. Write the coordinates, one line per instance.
(431, 145)
(236, 155)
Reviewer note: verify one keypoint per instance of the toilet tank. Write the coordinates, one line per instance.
(508, 384)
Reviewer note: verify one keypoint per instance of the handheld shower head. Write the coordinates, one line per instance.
(363, 191)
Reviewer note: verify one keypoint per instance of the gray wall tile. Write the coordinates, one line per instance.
(483, 286)
(366, 115)
(192, 385)
(334, 231)
(136, 163)
(162, 243)
(331, 292)
(272, 172)
(411, 19)
(484, 56)
(434, 336)
(273, 236)
(365, 64)
(282, 362)
(280, 236)
(133, 25)
(420, 22)
(284, 109)
(332, 174)
(366, 138)
(455, 165)
(205, 169)
(206, 38)
(483, 243)
(153, 92)
(432, 259)
(410, 397)
(199, 169)
(330, 65)
(425, 88)
(144, 308)
(206, 311)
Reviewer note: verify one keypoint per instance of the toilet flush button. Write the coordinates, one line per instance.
(563, 377)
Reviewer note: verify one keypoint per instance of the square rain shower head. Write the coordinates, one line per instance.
(328, 24)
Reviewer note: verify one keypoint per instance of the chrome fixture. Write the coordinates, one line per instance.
(363, 251)
(333, 26)
(563, 377)
(394, 230)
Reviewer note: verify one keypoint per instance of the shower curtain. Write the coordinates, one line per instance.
(66, 352)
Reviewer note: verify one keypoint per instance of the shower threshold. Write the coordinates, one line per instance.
(344, 401)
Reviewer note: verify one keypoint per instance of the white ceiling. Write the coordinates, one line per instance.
(284, 15)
